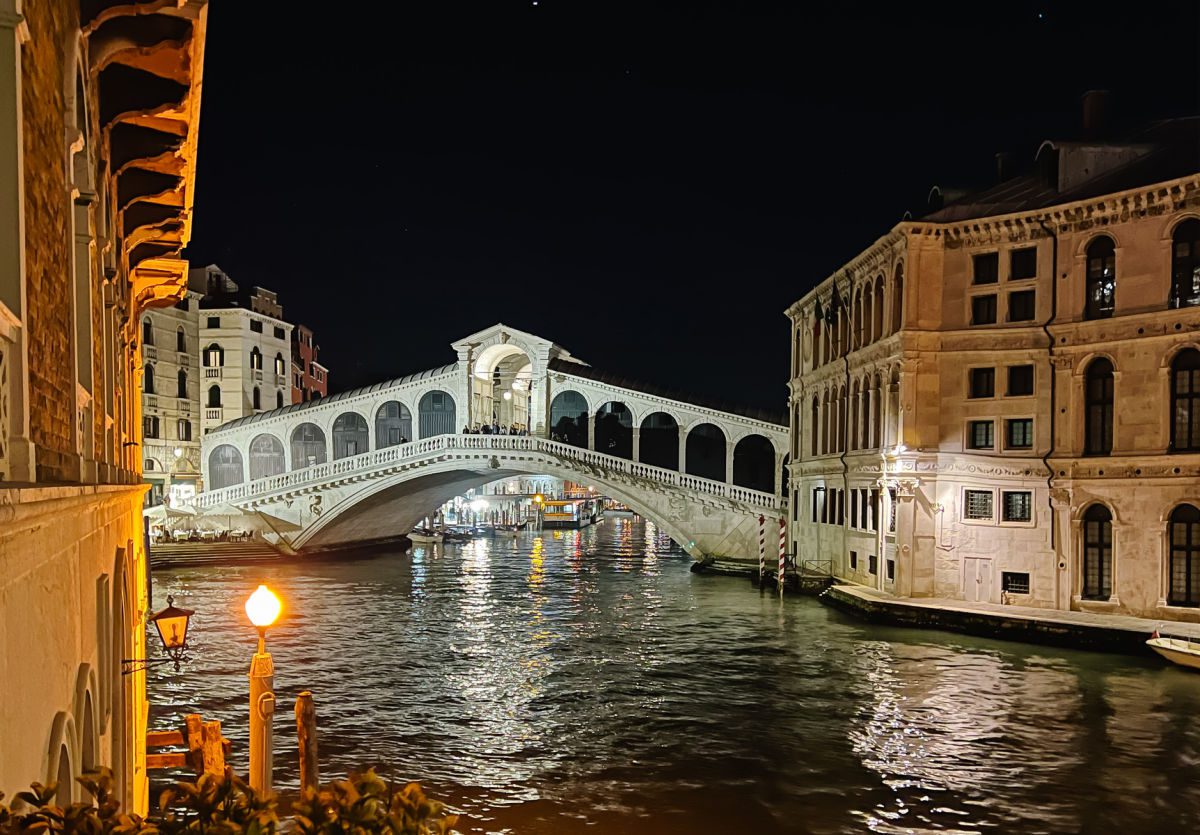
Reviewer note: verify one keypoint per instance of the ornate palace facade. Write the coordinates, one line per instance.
(1001, 401)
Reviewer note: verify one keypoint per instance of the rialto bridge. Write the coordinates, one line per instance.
(371, 463)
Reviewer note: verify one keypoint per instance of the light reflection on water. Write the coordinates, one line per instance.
(586, 681)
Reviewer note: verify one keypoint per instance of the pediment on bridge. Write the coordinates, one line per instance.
(500, 334)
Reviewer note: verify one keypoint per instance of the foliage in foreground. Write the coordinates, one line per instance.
(225, 805)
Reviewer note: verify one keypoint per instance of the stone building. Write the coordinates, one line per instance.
(1001, 401)
(310, 379)
(99, 110)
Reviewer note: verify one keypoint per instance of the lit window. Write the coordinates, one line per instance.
(1185, 401)
(1101, 279)
(1018, 434)
(1017, 506)
(978, 504)
(1185, 264)
(981, 434)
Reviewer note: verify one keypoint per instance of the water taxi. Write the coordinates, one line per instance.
(1181, 651)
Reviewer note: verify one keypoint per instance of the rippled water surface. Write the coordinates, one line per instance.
(588, 682)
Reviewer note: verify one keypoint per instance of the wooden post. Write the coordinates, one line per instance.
(214, 750)
(195, 741)
(306, 734)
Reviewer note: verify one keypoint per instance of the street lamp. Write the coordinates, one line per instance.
(262, 608)
(172, 625)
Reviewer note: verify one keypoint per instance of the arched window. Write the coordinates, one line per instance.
(181, 385)
(279, 400)
(1185, 264)
(754, 463)
(266, 456)
(224, 467)
(1097, 553)
(280, 366)
(868, 320)
(1185, 401)
(214, 397)
(147, 331)
(706, 452)
(826, 424)
(148, 379)
(855, 404)
(1098, 397)
(865, 414)
(856, 340)
(393, 425)
(898, 299)
(841, 420)
(350, 436)
(255, 359)
(1184, 577)
(658, 444)
(308, 446)
(877, 308)
(180, 341)
(435, 414)
(569, 418)
(877, 421)
(256, 398)
(1101, 279)
(614, 430)
(214, 356)
(815, 428)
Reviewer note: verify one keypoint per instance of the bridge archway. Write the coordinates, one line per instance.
(614, 430)
(569, 418)
(706, 451)
(393, 424)
(225, 467)
(501, 384)
(308, 446)
(754, 463)
(436, 414)
(350, 435)
(658, 442)
(266, 456)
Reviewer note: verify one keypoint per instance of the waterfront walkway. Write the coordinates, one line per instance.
(1082, 630)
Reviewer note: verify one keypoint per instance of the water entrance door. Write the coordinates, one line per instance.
(977, 579)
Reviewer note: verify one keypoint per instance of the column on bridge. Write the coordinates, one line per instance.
(780, 457)
(637, 443)
(729, 447)
(682, 450)
(591, 438)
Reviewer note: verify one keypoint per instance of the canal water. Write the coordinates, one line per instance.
(586, 681)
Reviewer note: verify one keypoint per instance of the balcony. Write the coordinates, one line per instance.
(258, 375)
(212, 373)
(149, 353)
(281, 380)
(213, 414)
(149, 401)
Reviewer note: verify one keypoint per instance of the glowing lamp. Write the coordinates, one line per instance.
(263, 607)
(479, 505)
(508, 395)
(172, 626)
(539, 498)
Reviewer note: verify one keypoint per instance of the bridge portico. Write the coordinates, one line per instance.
(373, 461)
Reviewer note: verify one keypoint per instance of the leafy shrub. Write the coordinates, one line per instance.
(225, 805)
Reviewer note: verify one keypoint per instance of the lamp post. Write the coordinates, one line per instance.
(263, 608)
(172, 626)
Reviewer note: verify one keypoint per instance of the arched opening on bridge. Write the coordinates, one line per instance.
(569, 418)
(706, 452)
(754, 463)
(350, 435)
(501, 382)
(308, 446)
(225, 467)
(435, 414)
(266, 456)
(784, 478)
(658, 442)
(614, 430)
(393, 425)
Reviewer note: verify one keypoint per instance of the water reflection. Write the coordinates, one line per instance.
(586, 681)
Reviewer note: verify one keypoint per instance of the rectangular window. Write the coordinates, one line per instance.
(824, 505)
(977, 504)
(987, 268)
(1022, 306)
(841, 518)
(981, 434)
(853, 560)
(983, 382)
(280, 333)
(891, 571)
(874, 510)
(873, 564)
(1020, 380)
(184, 430)
(983, 310)
(1015, 582)
(150, 426)
(1022, 264)
(854, 508)
(214, 321)
(1018, 434)
(256, 325)
(1018, 506)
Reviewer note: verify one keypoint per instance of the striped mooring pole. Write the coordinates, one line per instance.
(782, 551)
(762, 549)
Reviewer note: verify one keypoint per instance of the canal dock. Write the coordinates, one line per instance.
(1078, 630)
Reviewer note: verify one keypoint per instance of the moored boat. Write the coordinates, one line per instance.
(1181, 651)
(424, 536)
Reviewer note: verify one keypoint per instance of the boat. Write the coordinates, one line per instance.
(1181, 651)
(420, 535)
(507, 532)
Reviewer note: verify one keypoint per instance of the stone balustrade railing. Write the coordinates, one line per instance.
(429, 448)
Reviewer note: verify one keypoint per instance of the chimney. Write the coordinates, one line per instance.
(1095, 113)
(1004, 166)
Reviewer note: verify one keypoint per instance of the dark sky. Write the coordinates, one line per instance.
(648, 184)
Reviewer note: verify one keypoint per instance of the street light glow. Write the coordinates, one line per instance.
(263, 607)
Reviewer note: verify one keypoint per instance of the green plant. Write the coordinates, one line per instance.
(224, 805)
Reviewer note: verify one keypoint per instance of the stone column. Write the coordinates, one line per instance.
(591, 438)
(906, 523)
(729, 447)
(779, 459)
(682, 450)
(1060, 506)
(637, 443)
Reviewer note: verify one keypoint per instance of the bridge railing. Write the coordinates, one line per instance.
(414, 451)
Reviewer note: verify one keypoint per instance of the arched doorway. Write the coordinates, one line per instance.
(501, 387)
(754, 464)
(350, 435)
(706, 452)
(308, 446)
(569, 418)
(393, 425)
(658, 444)
(225, 467)
(614, 430)
(435, 414)
(266, 456)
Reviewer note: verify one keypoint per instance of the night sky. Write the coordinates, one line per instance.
(648, 184)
